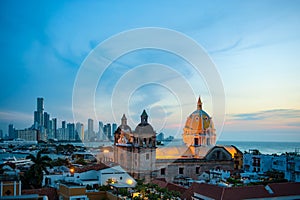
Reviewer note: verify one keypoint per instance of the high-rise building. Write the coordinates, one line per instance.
(107, 131)
(71, 131)
(11, 131)
(54, 127)
(63, 124)
(28, 135)
(91, 134)
(46, 120)
(1, 134)
(114, 128)
(38, 114)
(100, 131)
(40, 104)
(79, 131)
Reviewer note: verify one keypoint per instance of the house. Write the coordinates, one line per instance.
(288, 164)
(92, 175)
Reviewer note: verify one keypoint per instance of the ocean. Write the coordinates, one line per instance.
(264, 147)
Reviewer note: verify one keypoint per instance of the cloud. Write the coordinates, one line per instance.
(231, 47)
(269, 114)
(20, 119)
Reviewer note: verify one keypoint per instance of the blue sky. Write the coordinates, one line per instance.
(255, 46)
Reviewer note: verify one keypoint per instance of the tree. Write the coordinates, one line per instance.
(34, 176)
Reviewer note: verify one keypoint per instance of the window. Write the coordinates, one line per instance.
(181, 170)
(197, 170)
(147, 156)
(163, 171)
(196, 141)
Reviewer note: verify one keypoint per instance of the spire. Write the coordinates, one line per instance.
(199, 104)
(123, 120)
(144, 118)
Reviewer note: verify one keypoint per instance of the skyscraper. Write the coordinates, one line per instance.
(107, 131)
(79, 131)
(54, 127)
(71, 131)
(38, 114)
(91, 134)
(114, 128)
(46, 120)
(63, 124)
(100, 131)
(11, 131)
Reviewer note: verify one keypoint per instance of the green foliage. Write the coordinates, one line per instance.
(123, 192)
(88, 187)
(61, 162)
(34, 176)
(81, 161)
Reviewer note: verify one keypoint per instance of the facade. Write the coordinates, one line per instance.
(27, 134)
(95, 175)
(135, 150)
(107, 131)
(100, 131)
(90, 131)
(80, 131)
(288, 163)
(38, 114)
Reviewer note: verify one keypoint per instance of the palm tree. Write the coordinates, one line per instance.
(34, 176)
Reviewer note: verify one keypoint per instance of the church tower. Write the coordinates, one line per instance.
(199, 128)
(136, 151)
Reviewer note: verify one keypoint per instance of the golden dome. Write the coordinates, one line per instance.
(199, 128)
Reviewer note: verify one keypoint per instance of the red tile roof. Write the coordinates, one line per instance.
(246, 192)
(51, 193)
(95, 167)
(285, 189)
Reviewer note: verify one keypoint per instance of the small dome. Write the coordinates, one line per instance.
(124, 127)
(144, 128)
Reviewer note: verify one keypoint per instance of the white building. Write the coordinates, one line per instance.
(289, 164)
(256, 162)
(98, 174)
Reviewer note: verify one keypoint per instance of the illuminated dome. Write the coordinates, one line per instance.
(199, 128)
(144, 129)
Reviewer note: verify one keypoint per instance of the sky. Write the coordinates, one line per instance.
(254, 46)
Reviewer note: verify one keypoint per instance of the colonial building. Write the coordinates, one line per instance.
(136, 151)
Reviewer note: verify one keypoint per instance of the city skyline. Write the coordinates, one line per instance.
(253, 44)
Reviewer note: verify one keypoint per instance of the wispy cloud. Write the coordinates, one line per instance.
(13, 115)
(231, 47)
(269, 114)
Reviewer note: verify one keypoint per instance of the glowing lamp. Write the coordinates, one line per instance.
(72, 170)
(129, 182)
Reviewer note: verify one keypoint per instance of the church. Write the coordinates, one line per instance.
(136, 150)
